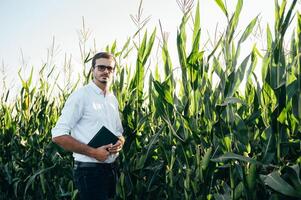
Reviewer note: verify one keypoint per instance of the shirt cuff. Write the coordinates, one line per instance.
(57, 132)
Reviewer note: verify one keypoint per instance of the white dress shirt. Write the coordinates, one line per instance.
(85, 112)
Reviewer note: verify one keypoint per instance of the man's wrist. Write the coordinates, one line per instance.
(91, 152)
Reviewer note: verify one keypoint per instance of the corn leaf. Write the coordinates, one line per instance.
(274, 181)
(232, 156)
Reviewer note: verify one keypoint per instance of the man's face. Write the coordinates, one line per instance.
(103, 70)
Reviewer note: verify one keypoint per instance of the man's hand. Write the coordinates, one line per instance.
(117, 146)
(102, 153)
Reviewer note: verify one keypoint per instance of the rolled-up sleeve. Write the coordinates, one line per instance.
(71, 114)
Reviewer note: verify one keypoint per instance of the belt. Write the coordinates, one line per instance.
(78, 164)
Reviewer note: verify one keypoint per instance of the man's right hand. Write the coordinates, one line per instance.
(102, 153)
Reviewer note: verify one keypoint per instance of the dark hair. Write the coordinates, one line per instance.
(102, 55)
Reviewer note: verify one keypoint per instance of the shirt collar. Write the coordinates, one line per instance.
(97, 89)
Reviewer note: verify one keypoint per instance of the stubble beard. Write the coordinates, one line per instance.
(103, 81)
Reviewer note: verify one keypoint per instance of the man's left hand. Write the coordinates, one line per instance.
(116, 147)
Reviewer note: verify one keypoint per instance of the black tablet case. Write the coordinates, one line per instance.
(103, 137)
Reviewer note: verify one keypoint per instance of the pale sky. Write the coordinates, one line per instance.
(29, 26)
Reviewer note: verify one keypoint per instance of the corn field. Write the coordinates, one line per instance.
(193, 137)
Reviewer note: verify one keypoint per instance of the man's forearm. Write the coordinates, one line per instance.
(69, 143)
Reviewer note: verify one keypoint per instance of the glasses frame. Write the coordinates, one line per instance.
(102, 68)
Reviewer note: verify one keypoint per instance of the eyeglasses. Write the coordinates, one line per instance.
(102, 68)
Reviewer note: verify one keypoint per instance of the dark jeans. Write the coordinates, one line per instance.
(95, 181)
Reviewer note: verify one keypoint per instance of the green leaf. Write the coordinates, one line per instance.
(206, 158)
(181, 46)
(251, 179)
(282, 116)
(292, 173)
(232, 156)
(233, 100)
(163, 92)
(221, 5)
(238, 76)
(196, 28)
(244, 36)
(31, 179)
(215, 48)
(296, 105)
(239, 189)
(287, 21)
(196, 43)
(234, 21)
(149, 47)
(274, 181)
(125, 46)
(30, 77)
(248, 30)
(113, 48)
(167, 62)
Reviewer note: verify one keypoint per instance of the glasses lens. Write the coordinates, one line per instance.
(109, 68)
(103, 68)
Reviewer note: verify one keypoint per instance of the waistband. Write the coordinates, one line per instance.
(78, 164)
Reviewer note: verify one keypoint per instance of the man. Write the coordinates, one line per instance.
(84, 113)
